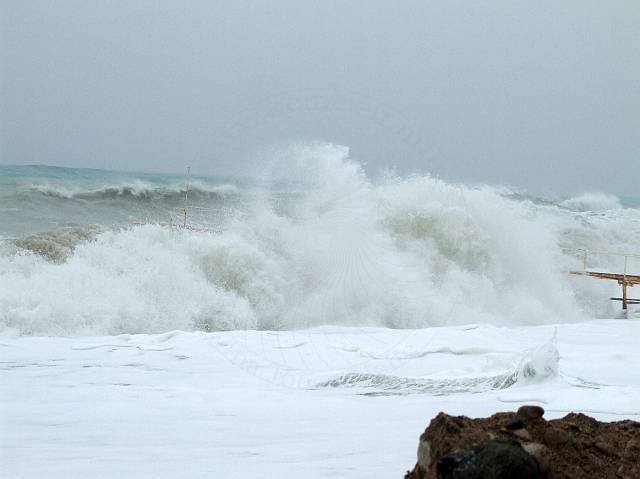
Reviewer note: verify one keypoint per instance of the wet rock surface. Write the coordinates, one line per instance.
(523, 445)
(490, 460)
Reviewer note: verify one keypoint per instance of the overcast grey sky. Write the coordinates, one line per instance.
(543, 95)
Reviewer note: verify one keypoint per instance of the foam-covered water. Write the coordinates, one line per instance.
(311, 240)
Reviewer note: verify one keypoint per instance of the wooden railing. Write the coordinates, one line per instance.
(625, 280)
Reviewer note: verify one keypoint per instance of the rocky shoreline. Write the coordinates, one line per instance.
(523, 445)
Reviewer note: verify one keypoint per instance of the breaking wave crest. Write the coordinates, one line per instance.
(593, 202)
(331, 246)
(137, 190)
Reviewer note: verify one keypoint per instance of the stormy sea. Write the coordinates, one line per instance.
(299, 317)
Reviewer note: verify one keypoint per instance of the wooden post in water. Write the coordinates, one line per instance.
(624, 285)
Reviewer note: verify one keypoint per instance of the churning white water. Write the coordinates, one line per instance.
(314, 242)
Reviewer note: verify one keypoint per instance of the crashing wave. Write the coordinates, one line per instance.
(340, 248)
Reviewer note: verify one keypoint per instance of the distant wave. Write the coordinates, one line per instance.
(595, 202)
(137, 190)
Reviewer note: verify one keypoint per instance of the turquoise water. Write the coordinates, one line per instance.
(40, 198)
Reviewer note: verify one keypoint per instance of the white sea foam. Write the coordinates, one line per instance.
(596, 202)
(82, 407)
(332, 247)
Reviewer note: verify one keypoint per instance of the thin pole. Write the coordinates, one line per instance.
(186, 197)
(624, 284)
(626, 259)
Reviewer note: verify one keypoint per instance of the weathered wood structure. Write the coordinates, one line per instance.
(624, 280)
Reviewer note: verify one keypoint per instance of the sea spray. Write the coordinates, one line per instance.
(311, 241)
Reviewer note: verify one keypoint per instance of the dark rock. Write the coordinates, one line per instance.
(515, 423)
(530, 412)
(541, 454)
(554, 437)
(574, 447)
(490, 460)
(424, 455)
(522, 434)
(602, 446)
(633, 447)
